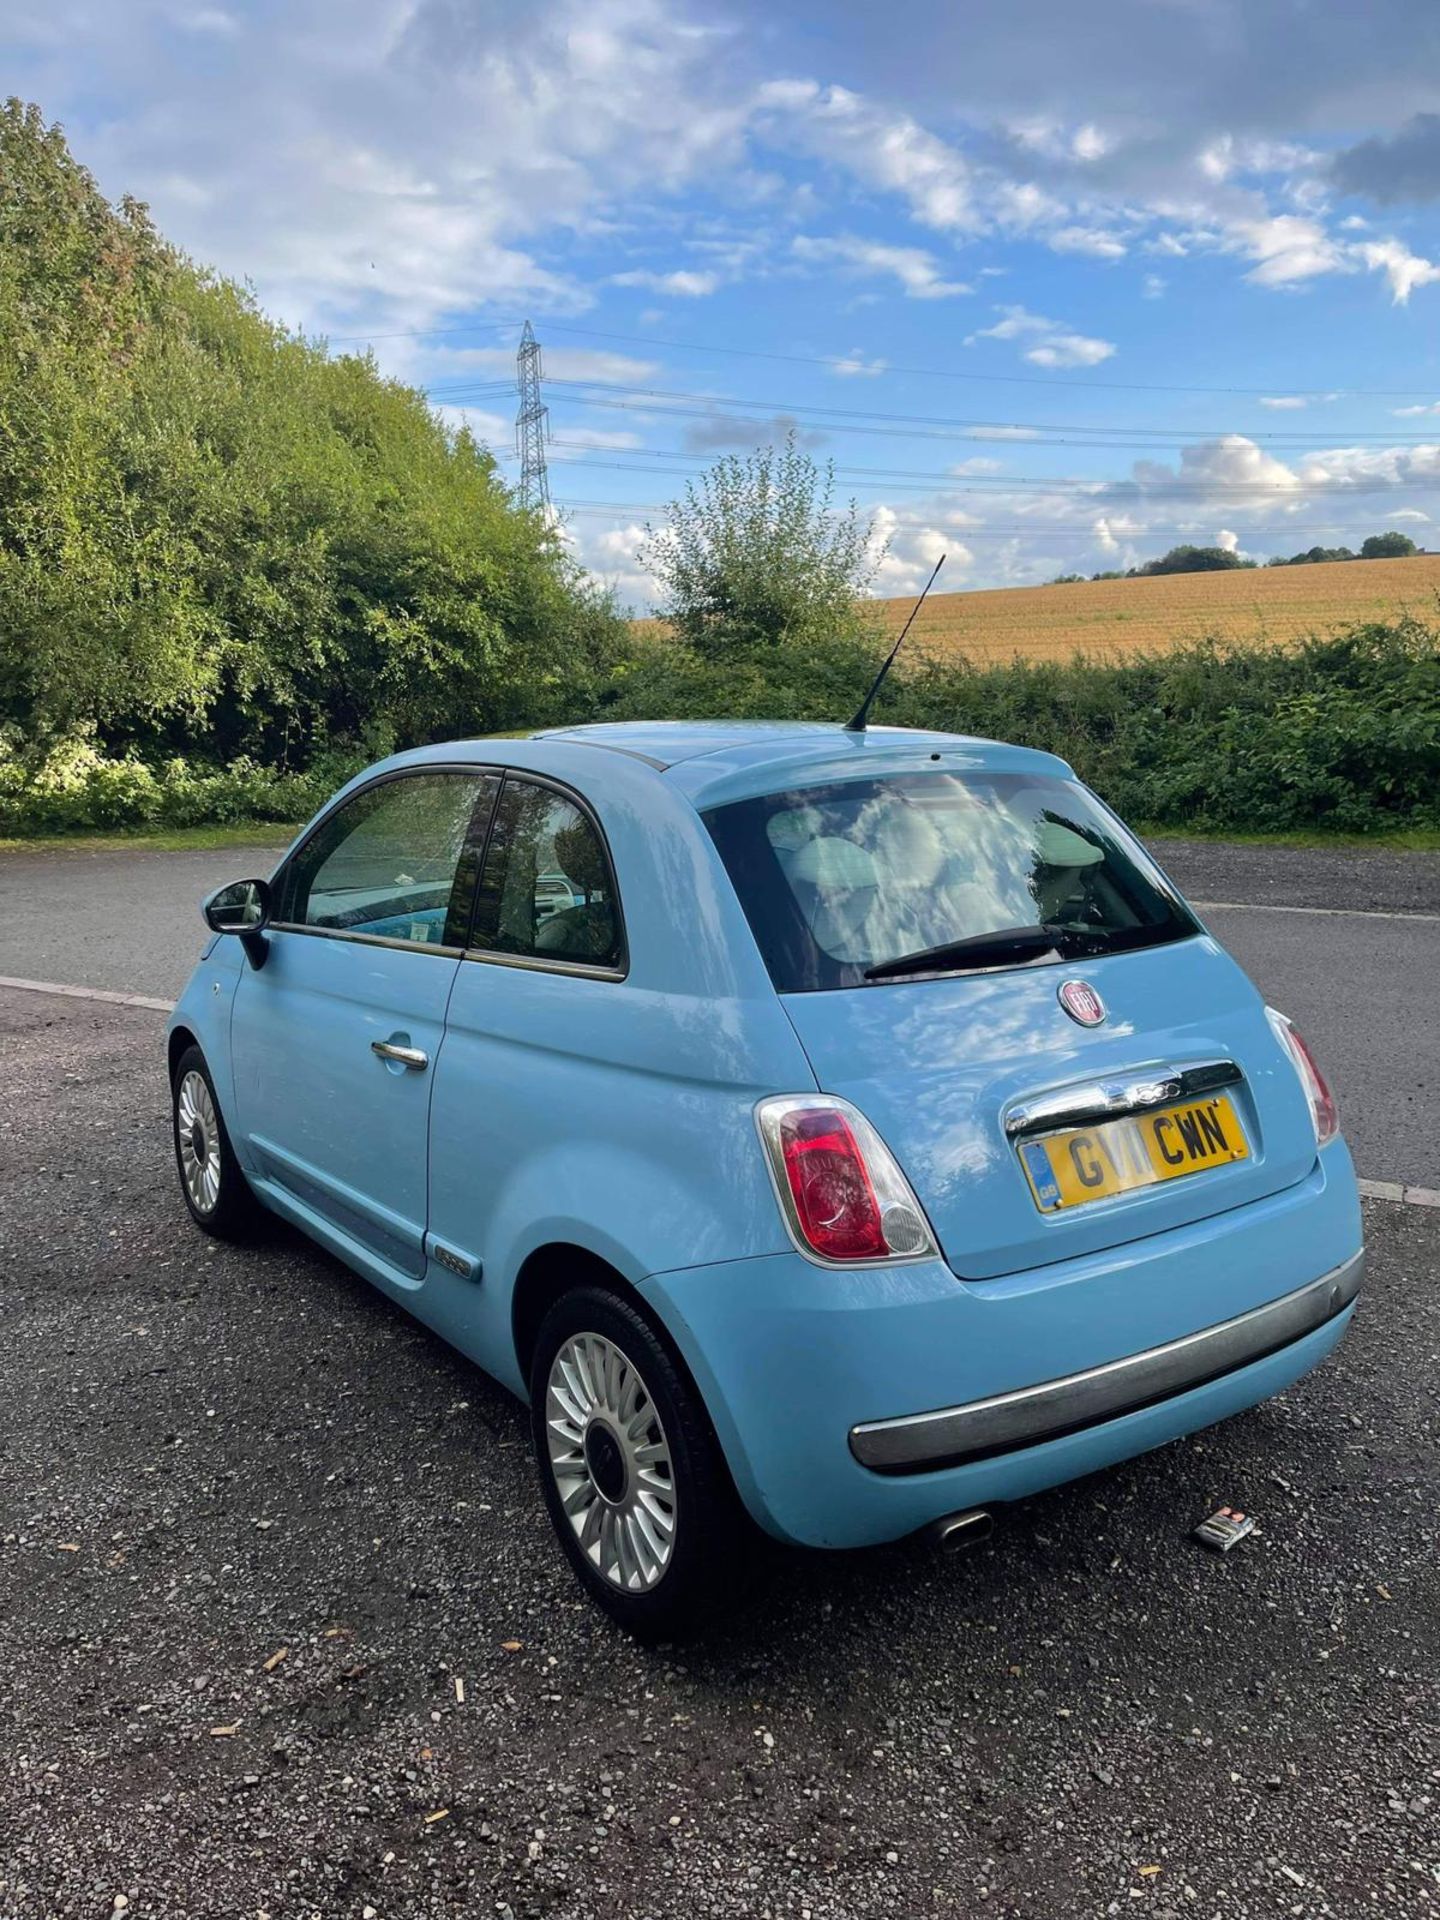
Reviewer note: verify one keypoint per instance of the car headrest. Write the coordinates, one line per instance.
(833, 864)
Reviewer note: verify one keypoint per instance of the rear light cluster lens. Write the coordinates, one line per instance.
(842, 1194)
(1323, 1110)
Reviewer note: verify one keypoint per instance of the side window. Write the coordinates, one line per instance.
(547, 891)
(396, 862)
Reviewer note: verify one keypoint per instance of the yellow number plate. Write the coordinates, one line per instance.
(1092, 1163)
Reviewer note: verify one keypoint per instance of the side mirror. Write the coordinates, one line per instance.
(243, 907)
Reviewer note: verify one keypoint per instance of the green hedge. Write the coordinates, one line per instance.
(1338, 734)
(70, 786)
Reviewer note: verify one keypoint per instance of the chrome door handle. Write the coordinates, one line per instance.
(407, 1056)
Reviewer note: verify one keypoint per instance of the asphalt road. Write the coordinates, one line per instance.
(126, 919)
(255, 1524)
(1364, 988)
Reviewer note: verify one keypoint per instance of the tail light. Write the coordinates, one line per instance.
(843, 1196)
(1323, 1110)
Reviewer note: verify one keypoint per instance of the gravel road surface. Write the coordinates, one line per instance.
(260, 1533)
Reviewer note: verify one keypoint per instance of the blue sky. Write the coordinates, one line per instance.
(1054, 286)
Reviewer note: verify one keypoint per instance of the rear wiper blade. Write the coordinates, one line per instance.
(979, 950)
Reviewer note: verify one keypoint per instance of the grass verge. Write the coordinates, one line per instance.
(239, 833)
(1402, 840)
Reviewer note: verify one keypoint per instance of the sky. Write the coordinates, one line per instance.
(1053, 286)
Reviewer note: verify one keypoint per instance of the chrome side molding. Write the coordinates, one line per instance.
(922, 1442)
(1090, 1101)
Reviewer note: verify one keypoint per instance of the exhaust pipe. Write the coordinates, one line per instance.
(959, 1530)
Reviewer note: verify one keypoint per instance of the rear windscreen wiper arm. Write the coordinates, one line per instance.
(979, 950)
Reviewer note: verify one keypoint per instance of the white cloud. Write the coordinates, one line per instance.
(1070, 350)
(913, 267)
(494, 430)
(886, 149)
(1211, 468)
(1153, 286)
(1057, 141)
(1003, 433)
(909, 541)
(1054, 344)
(1410, 413)
(1404, 270)
(386, 164)
(380, 165)
(1341, 469)
(439, 365)
(1110, 529)
(1225, 491)
(1096, 241)
(1286, 248)
(854, 365)
(1090, 143)
(684, 284)
(1285, 403)
(611, 555)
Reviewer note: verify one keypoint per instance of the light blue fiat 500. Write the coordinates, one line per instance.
(841, 1132)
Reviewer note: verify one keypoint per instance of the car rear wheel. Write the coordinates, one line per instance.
(214, 1187)
(634, 1478)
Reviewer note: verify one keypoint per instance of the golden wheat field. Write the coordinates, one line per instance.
(1106, 618)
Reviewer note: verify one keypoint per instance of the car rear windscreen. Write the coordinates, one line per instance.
(841, 879)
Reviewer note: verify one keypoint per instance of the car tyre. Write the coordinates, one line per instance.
(212, 1181)
(634, 1478)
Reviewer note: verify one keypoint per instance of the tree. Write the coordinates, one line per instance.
(753, 554)
(1388, 546)
(1196, 560)
(1312, 557)
(214, 536)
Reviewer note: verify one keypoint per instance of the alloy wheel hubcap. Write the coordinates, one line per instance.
(198, 1136)
(611, 1462)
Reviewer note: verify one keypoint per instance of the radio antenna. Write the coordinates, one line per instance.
(857, 725)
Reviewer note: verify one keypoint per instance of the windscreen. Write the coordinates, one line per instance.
(842, 879)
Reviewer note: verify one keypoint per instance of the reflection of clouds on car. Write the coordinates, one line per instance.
(876, 873)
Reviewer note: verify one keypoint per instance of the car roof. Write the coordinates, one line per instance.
(714, 761)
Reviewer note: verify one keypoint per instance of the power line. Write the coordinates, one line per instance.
(980, 486)
(964, 535)
(658, 405)
(919, 373)
(663, 399)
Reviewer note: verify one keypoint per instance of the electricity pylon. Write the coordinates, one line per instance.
(532, 423)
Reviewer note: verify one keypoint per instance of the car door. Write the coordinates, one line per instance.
(335, 1037)
(538, 1024)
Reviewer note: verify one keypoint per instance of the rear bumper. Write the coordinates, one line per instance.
(793, 1359)
(950, 1436)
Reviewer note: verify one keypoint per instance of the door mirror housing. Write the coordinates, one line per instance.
(242, 907)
